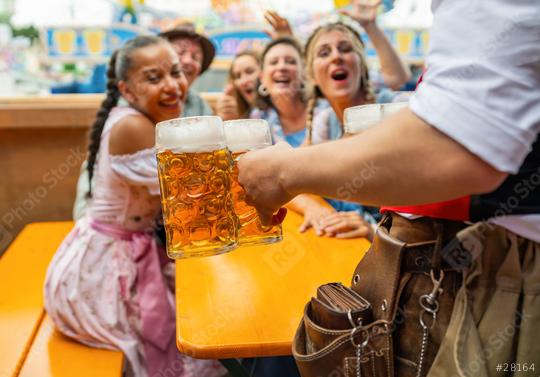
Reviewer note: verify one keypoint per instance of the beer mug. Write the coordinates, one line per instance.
(359, 118)
(242, 136)
(389, 109)
(195, 168)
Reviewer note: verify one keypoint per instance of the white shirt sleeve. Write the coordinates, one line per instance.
(482, 83)
(138, 169)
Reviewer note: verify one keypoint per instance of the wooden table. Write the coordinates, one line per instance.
(249, 302)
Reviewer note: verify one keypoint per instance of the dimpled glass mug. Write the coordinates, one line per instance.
(242, 136)
(195, 175)
(359, 118)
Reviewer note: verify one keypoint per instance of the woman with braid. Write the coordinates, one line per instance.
(281, 100)
(106, 285)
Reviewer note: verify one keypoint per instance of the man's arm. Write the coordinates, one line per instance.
(402, 161)
(476, 117)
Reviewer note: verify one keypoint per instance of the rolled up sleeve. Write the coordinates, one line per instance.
(482, 84)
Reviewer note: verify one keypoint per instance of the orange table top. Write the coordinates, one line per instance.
(249, 302)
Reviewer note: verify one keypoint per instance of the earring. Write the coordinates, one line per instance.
(263, 91)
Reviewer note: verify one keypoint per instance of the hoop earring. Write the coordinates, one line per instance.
(263, 91)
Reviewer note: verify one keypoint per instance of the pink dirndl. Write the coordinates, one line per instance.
(107, 284)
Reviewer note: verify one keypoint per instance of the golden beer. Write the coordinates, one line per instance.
(195, 168)
(242, 136)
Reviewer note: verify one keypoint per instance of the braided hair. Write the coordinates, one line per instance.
(312, 102)
(120, 63)
(366, 87)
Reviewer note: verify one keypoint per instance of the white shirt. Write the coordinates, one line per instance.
(482, 85)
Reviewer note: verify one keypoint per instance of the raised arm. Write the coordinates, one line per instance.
(280, 25)
(394, 71)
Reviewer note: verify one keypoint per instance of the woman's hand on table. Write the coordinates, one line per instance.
(260, 174)
(345, 225)
(313, 214)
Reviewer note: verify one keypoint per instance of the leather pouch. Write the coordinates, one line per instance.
(331, 307)
(335, 324)
(343, 331)
(375, 325)
(320, 351)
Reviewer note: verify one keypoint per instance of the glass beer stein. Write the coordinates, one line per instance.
(359, 118)
(242, 136)
(195, 168)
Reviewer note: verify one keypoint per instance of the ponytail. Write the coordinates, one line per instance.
(312, 101)
(366, 86)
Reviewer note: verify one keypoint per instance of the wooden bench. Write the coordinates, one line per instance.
(29, 344)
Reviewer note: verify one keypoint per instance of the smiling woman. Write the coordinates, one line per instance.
(337, 65)
(240, 93)
(113, 247)
(282, 92)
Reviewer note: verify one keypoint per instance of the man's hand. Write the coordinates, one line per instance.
(363, 11)
(260, 173)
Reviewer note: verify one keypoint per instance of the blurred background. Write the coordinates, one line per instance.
(62, 46)
(53, 57)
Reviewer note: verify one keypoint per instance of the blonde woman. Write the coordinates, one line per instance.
(337, 66)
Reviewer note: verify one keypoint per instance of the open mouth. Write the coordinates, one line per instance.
(339, 75)
(282, 80)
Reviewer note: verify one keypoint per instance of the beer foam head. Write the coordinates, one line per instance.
(246, 134)
(191, 134)
(389, 109)
(360, 118)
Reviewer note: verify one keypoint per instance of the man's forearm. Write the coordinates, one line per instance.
(419, 165)
(302, 202)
